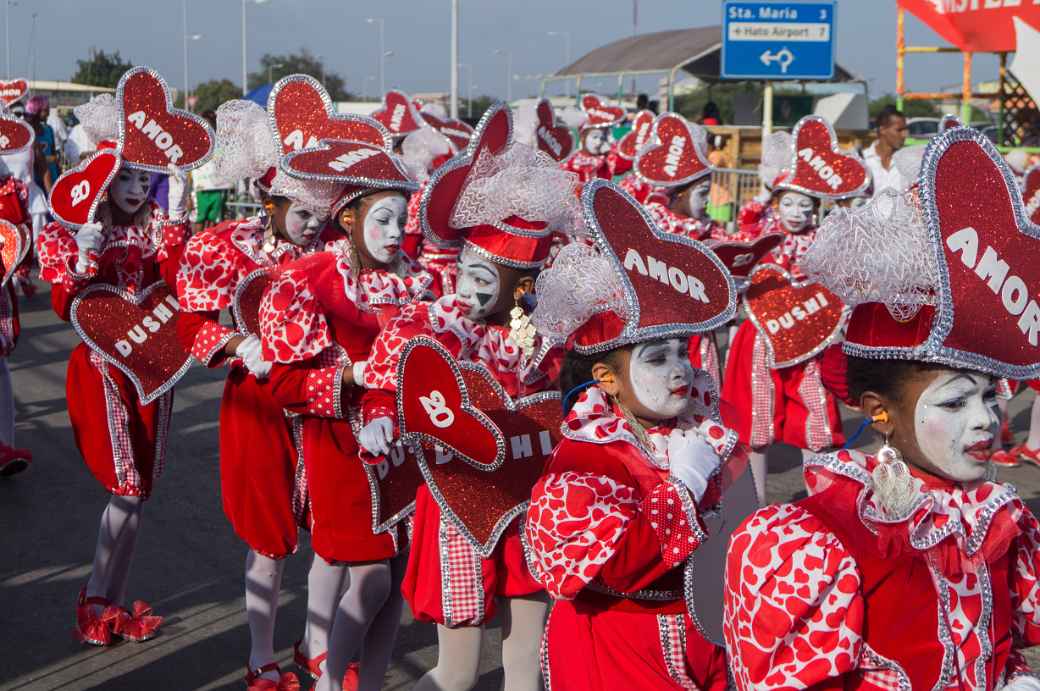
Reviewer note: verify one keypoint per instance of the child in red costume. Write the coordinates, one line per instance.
(617, 512)
(596, 156)
(263, 486)
(788, 405)
(502, 205)
(911, 568)
(318, 319)
(131, 246)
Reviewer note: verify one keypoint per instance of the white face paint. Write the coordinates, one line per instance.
(796, 211)
(384, 227)
(661, 377)
(478, 284)
(303, 223)
(697, 200)
(129, 189)
(955, 422)
(597, 142)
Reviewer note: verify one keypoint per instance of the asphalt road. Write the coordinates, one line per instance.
(189, 564)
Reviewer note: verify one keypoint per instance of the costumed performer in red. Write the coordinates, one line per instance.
(911, 568)
(618, 510)
(502, 202)
(318, 319)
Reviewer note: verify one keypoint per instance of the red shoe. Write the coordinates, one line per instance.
(1027, 454)
(287, 681)
(93, 628)
(12, 460)
(1005, 459)
(310, 665)
(138, 625)
(352, 678)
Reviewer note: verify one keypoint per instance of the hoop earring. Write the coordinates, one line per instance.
(521, 330)
(894, 486)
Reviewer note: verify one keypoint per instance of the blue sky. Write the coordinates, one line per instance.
(149, 32)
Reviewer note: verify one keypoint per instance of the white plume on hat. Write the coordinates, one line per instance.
(777, 150)
(420, 148)
(99, 117)
(1018, 159)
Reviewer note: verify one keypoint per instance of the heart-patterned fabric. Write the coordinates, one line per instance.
(136, 333)
(797, 319)
(154, 134)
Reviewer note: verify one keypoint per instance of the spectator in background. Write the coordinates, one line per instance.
(653, 106)
(210, 195)
(76, 145)
(891, 135)
(710, 114)
(26, 166)
(61, 130)
(36, 112)
(642, 102)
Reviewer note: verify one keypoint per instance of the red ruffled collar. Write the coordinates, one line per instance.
(956, 527)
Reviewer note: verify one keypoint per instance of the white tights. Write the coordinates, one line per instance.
(117, 538)
(458, 650)
(263, 585)
(367, 620)
(757, 460)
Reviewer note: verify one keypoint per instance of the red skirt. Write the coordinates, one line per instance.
(589, 648)
(263, 491)
(122, 442)
(447, 582)
(340, 501)
(789, 405)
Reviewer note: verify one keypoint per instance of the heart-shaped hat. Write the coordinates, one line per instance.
(635, 284)
(13, 91)
(301, 115)
(502, 198)
(75, 195)
(956, 281)
(818, 167)
(638, 136)
(398, 114)
(15, 134)
(152, 133)
(550, 136)
(599, 113)
(456, 132)
(675, 154)
(1031, 192)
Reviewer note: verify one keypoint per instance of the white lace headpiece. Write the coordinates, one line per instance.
(100, 118)
(247, 149)
(879, 252)
(777, 149)
(420, 148)
(520, 181)
(580, 284)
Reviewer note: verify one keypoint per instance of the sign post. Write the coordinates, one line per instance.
(778, 40)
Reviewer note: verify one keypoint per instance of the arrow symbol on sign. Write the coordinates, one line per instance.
(784, 57)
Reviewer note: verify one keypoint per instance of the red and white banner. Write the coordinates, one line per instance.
(975, 25)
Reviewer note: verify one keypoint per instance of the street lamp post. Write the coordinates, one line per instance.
(567, 52)
(270, 70)
(454, 111)
(245, 73)
(187, 37)
(382, 53)
(7, 32)
(469, 88)
(509, 72)
(364, 87)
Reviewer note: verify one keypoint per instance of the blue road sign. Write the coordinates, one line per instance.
(777, 40)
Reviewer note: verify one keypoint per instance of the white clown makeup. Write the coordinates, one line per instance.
(796, 211)
(384, 227)
(303, 223)
(661, 377)
(597, 142)
(129, 189)
(697, 199)
(479, 284)
(955, 422)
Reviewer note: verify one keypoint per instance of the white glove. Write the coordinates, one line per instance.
(178, 195)
(358, 370)
(89, 239)
(376, 436)
(691, 460)
(1024, 682)
(252, 357)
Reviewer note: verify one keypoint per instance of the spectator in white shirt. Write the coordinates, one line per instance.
(891, 135)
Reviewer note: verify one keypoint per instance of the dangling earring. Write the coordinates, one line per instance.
(521, 330)
(894, 487)
(269, 239)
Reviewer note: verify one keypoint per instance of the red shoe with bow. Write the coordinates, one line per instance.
(139, 624)
(312, 666)
(287, 681)
(12, 460)
(92, 626)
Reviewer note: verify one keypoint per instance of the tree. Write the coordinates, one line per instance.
(304, 62)
(480, 104)
(101, 69)
(213, 93)
(911, 109)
